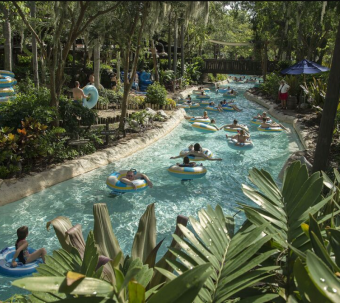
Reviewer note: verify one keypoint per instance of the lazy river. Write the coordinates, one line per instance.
(221, 185)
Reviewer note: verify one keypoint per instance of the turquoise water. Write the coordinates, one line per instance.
(221, 185)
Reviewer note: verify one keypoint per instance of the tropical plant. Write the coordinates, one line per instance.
(316, 91)
(285, 210)
(156, 94)
(271, 85)
(236, 258)
(293, 82)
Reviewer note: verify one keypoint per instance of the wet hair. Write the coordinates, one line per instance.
(235, 121)
(186, 160)
(197, 147)
(22, 232)
(205, 113)
(264, 119)
(242, 132)
(77, 83)
(212, 121)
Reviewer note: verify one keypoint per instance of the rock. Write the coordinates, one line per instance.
(151, 111)
(294, 157)
(162, 113)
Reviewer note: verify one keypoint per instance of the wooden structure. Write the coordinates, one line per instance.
(244, 67)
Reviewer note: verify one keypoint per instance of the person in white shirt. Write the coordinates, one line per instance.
(283, 93)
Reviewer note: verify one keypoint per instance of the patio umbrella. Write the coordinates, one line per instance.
(304, 67)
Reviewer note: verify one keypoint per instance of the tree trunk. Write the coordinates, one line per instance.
(169, 44)
(265, 60)
(118, 66)
(329, 111)
(74, 62)
(96, 63)
(85, 53)
(35, 50)
(182, 50)
(8, 39)
(154, 58)
(175, 51)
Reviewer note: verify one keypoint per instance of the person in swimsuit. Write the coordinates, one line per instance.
(113, 81)
(235, 125)
(21, 249)
(187, 163)
(131, 176)
(205, 116)
(241, 138)
(196, 152)
(78, 93)
(265, 124)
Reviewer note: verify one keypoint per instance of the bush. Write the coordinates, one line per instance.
(30, 102)
(156, 94)
(112, 96)
(271, 85)
(170, 102)
(137, 100)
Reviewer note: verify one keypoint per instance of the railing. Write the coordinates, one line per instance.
(247, 67)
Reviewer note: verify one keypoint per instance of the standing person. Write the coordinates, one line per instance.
(21, 246)
(283, 93)
(91, 79)
(113, 81)
(78, 93)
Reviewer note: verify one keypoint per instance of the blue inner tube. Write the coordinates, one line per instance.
(6, 256)
(7, 81)
(94, 96)
(117, 187)
(187, 173)
(6, 73)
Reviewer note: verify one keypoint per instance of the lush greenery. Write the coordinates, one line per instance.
(156, 94)
(287, 250)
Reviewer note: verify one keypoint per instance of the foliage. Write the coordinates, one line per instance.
(192, 72)
(112, 96)
(219, 77)
(294, 83)
(30, 102)
(271, 85)
(72, 113)
(170, 102)
(156, 94)
(316, 92)
(138, 118)
(166, 76)
(137, 100)
(103, 100)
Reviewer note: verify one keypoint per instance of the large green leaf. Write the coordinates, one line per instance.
(145, 238)
(234, 260)
(323, 278)
(88, 286)
(103, 233)
(61, 225)
(184, 288)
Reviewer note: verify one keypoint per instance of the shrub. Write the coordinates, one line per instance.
(170, 102)
(113, 96)
(271, 85)
(30, 102)
(156, 94)
(137, 100)
(293, 82)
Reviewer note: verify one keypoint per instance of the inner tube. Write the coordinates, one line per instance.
(242, 146)
(202, 97)
(7, 73)
(195, 105)
(199, 91)
(94, 96)
(227, 108)
(6, 256)
(270, 129)
(206, 151)
(205, 102)
(222, 90)
(204, 128)
(213, 108)
(8, 91)
(258, 121)
(183, 106)
(200, 120)
(187, 173)
(117, 187)
(7, 81)
(234, 129)
(7, 98)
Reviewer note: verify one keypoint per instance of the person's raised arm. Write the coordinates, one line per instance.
(179, 156)
(23, 246)
(146, 178)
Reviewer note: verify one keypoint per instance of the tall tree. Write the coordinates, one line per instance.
(8, 36)
(81, 14)
(329, 111)
(34, 48)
